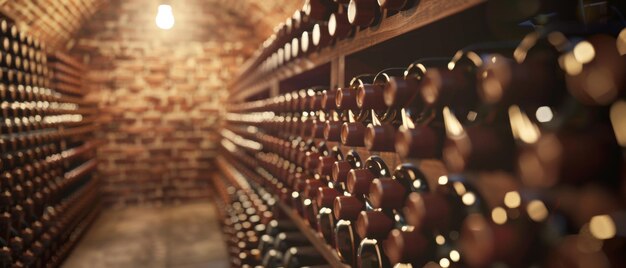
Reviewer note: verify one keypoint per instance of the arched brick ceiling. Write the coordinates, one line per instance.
(57, 22)
(265, 14)
(54, 21)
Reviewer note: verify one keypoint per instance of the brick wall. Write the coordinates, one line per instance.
(160, 94)
(159, 91)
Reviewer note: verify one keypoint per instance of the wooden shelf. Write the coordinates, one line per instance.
(252, 80)
(329, 254)
(237, 178)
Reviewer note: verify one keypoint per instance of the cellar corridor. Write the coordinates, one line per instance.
(312, 133)
(173, 236)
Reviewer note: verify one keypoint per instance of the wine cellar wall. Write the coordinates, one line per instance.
(429, 133)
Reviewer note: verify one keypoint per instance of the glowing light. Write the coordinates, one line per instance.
(440, 239)
(332, 24)
(471, 116)
(459, 188)
(537, 211)
(455, 256)
(468, 198)
(512, 199)
(618, 110)
(523, 129)
(569, 63)
(544, 114)
(443, 180)
(584, 52)
(453, 126)
(352, 11)
(498, 215)
(444, 262)
(165, 18)
(602, 227)
(451, 65)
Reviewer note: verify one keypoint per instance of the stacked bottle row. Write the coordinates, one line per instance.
(47, 191)
(321, 23)
(504, 153)
(22, 58)
(258, 234)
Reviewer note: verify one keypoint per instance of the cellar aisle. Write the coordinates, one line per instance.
(180, 236)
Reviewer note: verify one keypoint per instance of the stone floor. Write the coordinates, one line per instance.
(181, 236)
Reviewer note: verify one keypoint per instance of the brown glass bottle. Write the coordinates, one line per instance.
(363, 13)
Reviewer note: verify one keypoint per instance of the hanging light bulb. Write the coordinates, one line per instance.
(165, 17)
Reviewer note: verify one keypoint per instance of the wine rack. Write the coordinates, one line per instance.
(49, 189)
(436, 133)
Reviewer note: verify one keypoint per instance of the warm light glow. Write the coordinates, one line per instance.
(512, 199)
(332, 24)
(544, 114)
(602, 227)
(406, 120)
(570, 65)
(417, 184)
(523, 129)
(453, 126)
(443, 180)
(459, 188)
(444, 262)
(584, 52)
(451, 65)
(537, 211)
(468, 198)
(352, 11)
(618, 110)
(471, 116)
(165, 17)
(498, 215)
(305, 41)
(455, 256)
(440, 239)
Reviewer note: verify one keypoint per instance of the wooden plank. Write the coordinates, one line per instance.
(77, 131)
(62, 57)
(64, 78)
(341, 71)
(64, 68)
(253, 80)
(67, 88)
(79, 101)
(82, 111)
(73, 153)
(329, 253)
